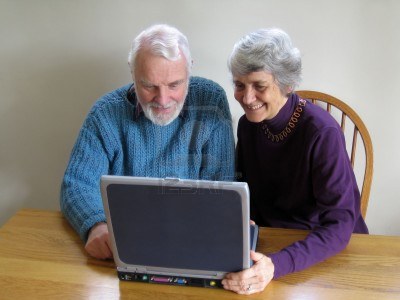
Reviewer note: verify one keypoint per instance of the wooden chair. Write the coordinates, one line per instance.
(347, 113)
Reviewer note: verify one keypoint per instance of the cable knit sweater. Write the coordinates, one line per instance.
(117, 139)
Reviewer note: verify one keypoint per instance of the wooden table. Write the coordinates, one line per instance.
(41, 257)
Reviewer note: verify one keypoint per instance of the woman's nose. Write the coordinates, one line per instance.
(248, 96)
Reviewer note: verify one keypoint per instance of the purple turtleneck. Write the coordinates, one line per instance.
(304, 181)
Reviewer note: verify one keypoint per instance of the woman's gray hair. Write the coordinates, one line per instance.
(162, 40)
(268, 50)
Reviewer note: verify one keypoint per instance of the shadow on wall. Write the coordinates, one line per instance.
(44, 107)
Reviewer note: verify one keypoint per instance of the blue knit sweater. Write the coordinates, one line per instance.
(117, 139)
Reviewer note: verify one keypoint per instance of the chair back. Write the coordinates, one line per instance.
(343, 113)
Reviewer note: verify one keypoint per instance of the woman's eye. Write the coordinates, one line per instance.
(260, 88)
(238, 86)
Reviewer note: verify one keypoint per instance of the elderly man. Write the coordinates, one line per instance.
(165, 124)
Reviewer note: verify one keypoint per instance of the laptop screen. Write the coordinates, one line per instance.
(177, 227)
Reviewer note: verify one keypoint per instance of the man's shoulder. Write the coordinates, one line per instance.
(203, 91)
(116, 97)
(210, 97)
(204, 84)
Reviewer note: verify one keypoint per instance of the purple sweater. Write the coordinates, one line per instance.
(304, 181)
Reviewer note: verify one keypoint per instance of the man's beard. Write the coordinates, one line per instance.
(161, 118)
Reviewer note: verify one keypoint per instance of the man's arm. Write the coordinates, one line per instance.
(80, 198)
(98, 244)
(218, 161)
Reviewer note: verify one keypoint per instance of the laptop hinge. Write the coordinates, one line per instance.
(132, 269)
(171, 179)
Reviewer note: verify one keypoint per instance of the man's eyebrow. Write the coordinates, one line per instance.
(145, 82)
(179, 81)
(148, 83)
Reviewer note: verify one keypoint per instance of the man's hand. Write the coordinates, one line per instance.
(252, 280)
(98, 243)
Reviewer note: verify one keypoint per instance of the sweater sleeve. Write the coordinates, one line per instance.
(80, 198)
(337, 200)
(218, 161)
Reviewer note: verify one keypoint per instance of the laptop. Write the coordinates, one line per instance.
(178, 232)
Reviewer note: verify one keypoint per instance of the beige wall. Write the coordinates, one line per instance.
(57, 57)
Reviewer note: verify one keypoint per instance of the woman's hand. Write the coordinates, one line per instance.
(252, 280)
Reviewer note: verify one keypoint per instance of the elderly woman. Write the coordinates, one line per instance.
(292, 154)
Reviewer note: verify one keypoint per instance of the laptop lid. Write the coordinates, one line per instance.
(175, 227)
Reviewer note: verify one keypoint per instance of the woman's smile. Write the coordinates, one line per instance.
(255, 107)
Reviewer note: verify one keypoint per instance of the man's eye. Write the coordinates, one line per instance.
(175, 85)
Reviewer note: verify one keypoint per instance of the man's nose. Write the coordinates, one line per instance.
(162, 96)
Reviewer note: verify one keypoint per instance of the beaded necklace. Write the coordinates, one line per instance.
(289, 127)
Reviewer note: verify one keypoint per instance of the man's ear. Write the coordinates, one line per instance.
(130, 68)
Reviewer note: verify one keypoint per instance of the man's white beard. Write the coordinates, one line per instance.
(162, 119)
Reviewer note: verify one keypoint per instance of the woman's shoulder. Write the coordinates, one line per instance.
(246, 127)
(318, 118)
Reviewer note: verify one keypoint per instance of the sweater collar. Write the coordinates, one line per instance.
(280, 121)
